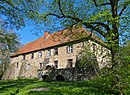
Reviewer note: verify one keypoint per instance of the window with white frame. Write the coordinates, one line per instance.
(39, 54)
(48, 54)
(70, 49)
(28, 67)
(17, 58)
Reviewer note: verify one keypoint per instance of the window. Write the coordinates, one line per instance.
(39, 54)
(46, 60)
(41, 65)
(27, 66)
(56, 51)
(24, 57)
(48, 53)
(32, 56)
(83, 44)
(70, 63)
(94, 46)
(102, 49)
(17, 58)
(69, 49)
(56, 63)
(17, 65)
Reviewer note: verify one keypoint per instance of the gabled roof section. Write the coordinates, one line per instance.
(56, 38)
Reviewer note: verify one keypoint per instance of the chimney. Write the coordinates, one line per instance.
(46, 34)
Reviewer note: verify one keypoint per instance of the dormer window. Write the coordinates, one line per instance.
(39, 54)
(69, 49)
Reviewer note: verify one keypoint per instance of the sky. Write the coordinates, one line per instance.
(32, 32)
(28, 34)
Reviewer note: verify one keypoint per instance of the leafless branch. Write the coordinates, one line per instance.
(51, 14)
(104, 4)
(2, 7)
(102, 24)
(74, 18)
(121, 12)
(87, 24)
(95, 28)
(59, 4)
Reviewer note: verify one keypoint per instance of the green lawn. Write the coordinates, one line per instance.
(25, 87)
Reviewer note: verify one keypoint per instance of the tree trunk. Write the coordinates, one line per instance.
(114, 35)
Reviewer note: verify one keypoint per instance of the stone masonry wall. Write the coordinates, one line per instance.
(28, 68)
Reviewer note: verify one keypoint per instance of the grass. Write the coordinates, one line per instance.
(25, 86)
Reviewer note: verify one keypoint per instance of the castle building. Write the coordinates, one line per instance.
(58, 50)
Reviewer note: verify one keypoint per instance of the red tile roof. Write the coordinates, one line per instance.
(56, 38)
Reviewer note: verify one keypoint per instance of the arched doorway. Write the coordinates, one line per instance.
(44, 77)
(60, 78)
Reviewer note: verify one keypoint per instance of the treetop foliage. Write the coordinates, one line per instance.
(99, 16)
(15, 13)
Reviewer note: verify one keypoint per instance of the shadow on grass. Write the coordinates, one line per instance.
(55, 88)
(10, 85)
